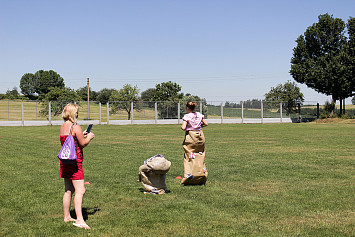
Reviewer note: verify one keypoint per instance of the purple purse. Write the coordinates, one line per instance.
(68, 153)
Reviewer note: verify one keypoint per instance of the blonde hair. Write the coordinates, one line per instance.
(191, 105)
(70, 112)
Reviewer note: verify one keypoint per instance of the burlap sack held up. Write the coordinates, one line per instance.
(153, 174)
(195, 171)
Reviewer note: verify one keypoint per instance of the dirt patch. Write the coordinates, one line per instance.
(335, 120)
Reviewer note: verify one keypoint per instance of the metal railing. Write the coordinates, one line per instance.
(154, 112)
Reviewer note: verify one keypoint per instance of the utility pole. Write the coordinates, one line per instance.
(88, 88)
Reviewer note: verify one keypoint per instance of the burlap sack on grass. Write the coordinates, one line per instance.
(153, 174)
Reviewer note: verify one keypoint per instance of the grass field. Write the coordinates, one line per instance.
(264, 180)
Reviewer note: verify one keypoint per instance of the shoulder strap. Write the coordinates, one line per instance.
(71, 127)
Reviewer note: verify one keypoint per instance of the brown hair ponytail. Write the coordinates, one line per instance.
(191, 105)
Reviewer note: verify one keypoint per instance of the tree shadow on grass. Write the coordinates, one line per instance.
(86, 212)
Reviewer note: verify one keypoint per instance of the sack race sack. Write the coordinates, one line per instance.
(195, 171)
(68, 153)
(152, 174)
(158, 164)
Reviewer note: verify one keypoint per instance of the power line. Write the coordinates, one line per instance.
(186, 79)
(197, 79)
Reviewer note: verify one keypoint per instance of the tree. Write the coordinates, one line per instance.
(351, 47)
(321, 58)
(12, 94)
(27, 85)
(59, 97)
(167, 91)
(47, 79)
(83, 93)
(288, 92)
(250, 104)
(168, 94)
(147, 96)
(198, 100)
(38, 84)
(230, 105)
(103, 95)
(126, 95)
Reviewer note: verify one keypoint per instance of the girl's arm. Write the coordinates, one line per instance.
(204, 123)
(82, 140)
(183, 126)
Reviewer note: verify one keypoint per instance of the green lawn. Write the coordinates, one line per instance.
(264, 180)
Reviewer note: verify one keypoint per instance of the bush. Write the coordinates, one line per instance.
(329, 110)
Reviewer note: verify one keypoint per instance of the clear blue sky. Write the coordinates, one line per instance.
(217, 49)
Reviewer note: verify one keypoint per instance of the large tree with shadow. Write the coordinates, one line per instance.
(323, 58)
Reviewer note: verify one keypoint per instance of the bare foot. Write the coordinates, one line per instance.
(69, 219)
(81, 225)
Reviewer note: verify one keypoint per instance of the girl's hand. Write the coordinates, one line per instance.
(90, 135)
(83, 137)
(183, 125)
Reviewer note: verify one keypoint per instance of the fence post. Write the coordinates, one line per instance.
(280, 112)
(88, 107)
(222, 112)
(50, 112)
(201, 107)
(99, 112)
(179, 112)
(36, 109)
(262, 111)
(299, 112)
(22, 115)
(242, 112)
(108, 112)
(156, 112)
(317, 110)
(131, 112)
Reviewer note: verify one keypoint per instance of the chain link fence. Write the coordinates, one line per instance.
(126, 112)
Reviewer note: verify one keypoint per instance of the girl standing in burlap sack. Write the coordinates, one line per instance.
(195, 171)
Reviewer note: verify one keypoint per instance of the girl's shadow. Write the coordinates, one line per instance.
(86, 212)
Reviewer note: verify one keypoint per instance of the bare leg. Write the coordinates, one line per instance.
(69, 190)
(78, 200)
